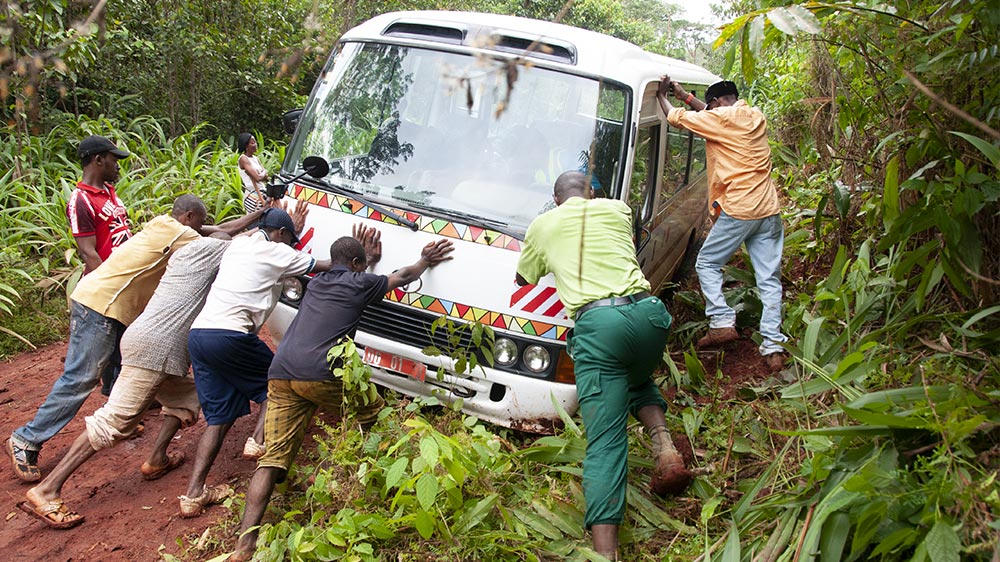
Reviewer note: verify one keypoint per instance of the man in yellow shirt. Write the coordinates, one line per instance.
(743, 203)
(103, 304)
(618, 339)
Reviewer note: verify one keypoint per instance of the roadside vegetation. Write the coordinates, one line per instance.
(881, 442)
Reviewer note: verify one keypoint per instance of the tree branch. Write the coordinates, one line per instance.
(953, 109)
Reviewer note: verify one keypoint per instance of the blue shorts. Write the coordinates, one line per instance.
(230, 369)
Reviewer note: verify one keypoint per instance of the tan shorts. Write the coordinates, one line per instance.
(290, 409)
(132, 394)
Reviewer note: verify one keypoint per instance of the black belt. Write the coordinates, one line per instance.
(612, 301)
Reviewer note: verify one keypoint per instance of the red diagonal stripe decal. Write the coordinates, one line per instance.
(519, 293)
(555, 309)
(543, 296)
(305, 239)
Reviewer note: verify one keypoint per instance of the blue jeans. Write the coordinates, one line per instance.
(764, 239)
(93, 339)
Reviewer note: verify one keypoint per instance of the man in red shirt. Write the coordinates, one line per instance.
(97, 218)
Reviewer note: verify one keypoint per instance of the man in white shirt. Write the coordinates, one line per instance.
(230, 362)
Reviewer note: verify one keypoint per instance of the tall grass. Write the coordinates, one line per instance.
(39, 173)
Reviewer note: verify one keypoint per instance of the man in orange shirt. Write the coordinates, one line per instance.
(743, 204)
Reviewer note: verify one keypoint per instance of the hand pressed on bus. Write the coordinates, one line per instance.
(437, 252)
(371, 240)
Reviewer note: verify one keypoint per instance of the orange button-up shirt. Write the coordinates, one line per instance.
(738, 158)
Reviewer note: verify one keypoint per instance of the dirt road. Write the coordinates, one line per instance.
(128, 519)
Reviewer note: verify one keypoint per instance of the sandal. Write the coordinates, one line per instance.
(25, 463)
(174, 459)
(53, 513)
(253, 450)
(192, 507)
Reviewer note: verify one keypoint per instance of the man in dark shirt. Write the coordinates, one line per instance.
(300, 379)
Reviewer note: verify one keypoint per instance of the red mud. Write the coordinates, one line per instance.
(732, 371)
(128, 519)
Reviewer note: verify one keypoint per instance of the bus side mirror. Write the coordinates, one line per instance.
(290, 120)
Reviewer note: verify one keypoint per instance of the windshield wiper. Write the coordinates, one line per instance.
(474, 220)
(363, 200)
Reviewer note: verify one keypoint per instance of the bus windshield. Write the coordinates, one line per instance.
(459, 134)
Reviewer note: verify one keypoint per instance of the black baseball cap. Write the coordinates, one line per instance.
(95, 144)
(277, 218)
(719, 89)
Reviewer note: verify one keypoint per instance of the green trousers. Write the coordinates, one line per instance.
(614, 350)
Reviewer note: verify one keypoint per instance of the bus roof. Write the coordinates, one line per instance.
(585, 51)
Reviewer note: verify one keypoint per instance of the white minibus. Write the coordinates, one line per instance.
(452, 124)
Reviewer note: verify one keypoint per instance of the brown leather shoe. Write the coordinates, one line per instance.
(776, 361)
(717, 337)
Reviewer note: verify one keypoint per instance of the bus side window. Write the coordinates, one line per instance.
(644, 172)
(675, 161)
(697, 156)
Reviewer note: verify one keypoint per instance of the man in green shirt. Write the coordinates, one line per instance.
(618, 339)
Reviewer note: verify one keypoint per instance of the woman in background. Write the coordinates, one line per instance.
(252, 173)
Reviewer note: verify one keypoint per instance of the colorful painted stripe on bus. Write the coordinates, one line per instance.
(440, 227)
(473, 314)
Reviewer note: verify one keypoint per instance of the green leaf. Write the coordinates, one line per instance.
(536, 523)
(841, 199)
(803, 19)
(811, 338)
(396, 472)
(756, 35)
(943, 544)
(729, 60)
(695, 370)
(730, 30)
(424, 524)
(472, 517)
(890, 192)
(887, 420)
(732, 550)
(980, 315)
(903, 396)
(427, 489)
(991, 152)
(708, 509)
(568, 527)
(429, 451)
(783, 20)
(834, 537)
(748, 62)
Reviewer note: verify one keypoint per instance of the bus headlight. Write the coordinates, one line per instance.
(291, 289)
(536, 358)
(504, 352)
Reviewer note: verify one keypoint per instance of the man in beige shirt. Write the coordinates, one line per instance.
(743, 203)
(104, 303)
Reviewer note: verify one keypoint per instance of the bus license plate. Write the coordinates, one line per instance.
(412, 369)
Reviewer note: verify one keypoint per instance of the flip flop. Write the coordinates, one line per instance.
(139, 430)
(174, 459)
(53, 513)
